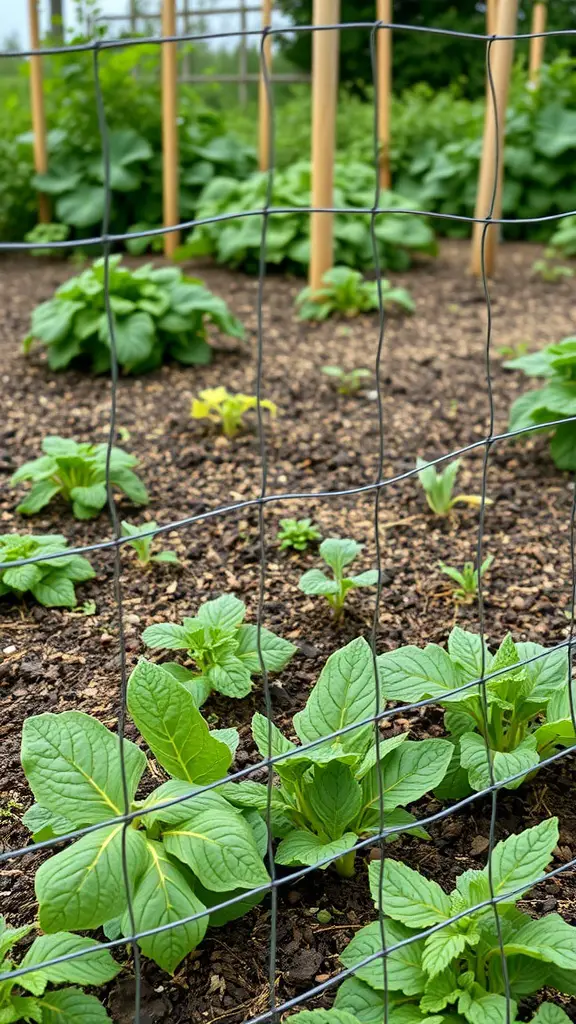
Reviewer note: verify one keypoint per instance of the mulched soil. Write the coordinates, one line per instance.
(435, 401)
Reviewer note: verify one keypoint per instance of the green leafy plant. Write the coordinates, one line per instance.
(297, 534)
(466, 581)
(143, 545)
(220, 406)
(337, 553)
(180, 859)
(158, 314)
(64, 1004)
(399, 236)
(345, 291)
(329, 795)
(52, 582)
(223, 647)
(78, 473)
(555, 401)
(349, 381)
(46, 233)
(528, 706)
(549, 268)
(458, 967)
(564, 238)
(438, 487)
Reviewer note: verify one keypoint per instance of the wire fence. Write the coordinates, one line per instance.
(375, 487)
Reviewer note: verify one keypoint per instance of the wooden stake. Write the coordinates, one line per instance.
(384, 60)
(38, 115)
(170, 127)
(501, 55)
(537, 43)
(324, 101)
(491, 16)
(263, 105)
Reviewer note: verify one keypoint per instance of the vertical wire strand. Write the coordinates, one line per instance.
(481, 520)
(261, 525)
(104, 138)
(377, 496)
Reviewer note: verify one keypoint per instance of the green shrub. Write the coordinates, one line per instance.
(78, 473)
(237, 241)
(344, 291)
(180, 859)
(555, 401)
(528, 706)
(159, 314)
(223, 647)
(459, 966)
(52, 582)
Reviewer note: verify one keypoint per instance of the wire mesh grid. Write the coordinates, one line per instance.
(106, 240)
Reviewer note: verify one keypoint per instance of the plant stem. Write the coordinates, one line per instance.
(345, 865)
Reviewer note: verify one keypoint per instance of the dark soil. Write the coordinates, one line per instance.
(435, 401)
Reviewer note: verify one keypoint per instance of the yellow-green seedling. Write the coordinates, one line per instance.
(337, 553)
(298, 534)
(438, 487)
(143, 545)
(226, 409)
(466, 589)
(348, 382)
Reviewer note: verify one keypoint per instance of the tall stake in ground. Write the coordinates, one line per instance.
(537, 42)
(324, 100)
(263, 105)
(37, 104)
(384, 13)
(170, 127)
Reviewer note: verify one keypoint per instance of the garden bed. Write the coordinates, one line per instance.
(435, 401)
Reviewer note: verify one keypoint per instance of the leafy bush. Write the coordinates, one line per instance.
(52, 582)
(329, 795)
(349, 381)
(459, 965)
(224, 649)
(78, 473)
(528, 706)
(564, 238)
(143, 545)
(555, 401)
(180, 859)
(466, 580)
(159, 314)
(237, 241)
(337, 554)
(297, 534)
(438, 487)
(69, 1004)
(346, 292)
(47, 233)
(549, 268)
(220, 406)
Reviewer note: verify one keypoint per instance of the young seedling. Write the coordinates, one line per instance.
(78, 473)
(529, 712)
(297, 534)
(438, 487)
(456, 971)
(553, 402)
(224, 649)
(181, 859)
(337, 553)
(550, 269)
(220, 406)
(466, 589)
(143, 545)
(349, 381)
(69, 1005)
(328, 795)
(346, 292)
(51, 582)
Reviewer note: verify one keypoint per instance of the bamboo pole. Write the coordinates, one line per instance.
(384, 82)
(37, 104)
(501, 56)
(169, 127)
(537, 42)
(263, 104)
(324, 101)
(491, 16)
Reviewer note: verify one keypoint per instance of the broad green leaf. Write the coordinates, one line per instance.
(548, 1013)
(474, 758)
(134, 336)
(245, 902)
(52, 320)
(334, 1016)
(94, 968)
(41, 493)
(549, 939)
(72, 1006)
(44, 824)
(404, 965)
(490, 1009)
(334, 797)
(230, 676)
(72, 763)
(364, 1003)
(441, 948)
(21, 1008)
(55, 590)
(268, 738)
(411, 674)
(84, 885)
(364, 579)
(301, 847)
(226, 612)
(385, 747)
(10, 936)
(22, 577)
(174, 729)
(276, 652)
(316, 582)
(93, 496)
(414, 769)
(162, 898)
(466, 650)
(440, 991)
(338, 553)
(454, 785)
(548, 674)
(248, 794)
(219, 846)
(166, 634)
(231, 737)
(407, 896)
(344, 694)
(83, 207)
(563, 446)
(519, 861)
